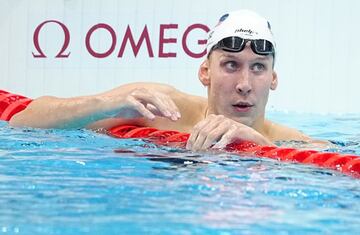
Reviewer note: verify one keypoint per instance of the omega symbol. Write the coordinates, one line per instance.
(61, 53)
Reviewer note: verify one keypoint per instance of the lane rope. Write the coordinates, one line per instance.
(10, 104)
(347, 164)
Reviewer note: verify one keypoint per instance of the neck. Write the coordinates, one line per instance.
(207, 112)
(260, 126)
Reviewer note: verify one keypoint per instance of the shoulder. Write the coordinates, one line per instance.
(278, 132)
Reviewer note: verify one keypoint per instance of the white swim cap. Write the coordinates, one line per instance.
(243, 23)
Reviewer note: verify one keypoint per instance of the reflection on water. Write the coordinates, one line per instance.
(80, 182)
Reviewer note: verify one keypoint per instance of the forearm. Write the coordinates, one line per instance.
(127, 101)
(51, 112)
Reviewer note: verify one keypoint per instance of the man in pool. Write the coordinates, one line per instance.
(238, 73)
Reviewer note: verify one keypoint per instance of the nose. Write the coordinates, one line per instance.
(243, 86)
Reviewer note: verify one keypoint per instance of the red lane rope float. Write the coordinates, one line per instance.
(10, 104)
(348, 164)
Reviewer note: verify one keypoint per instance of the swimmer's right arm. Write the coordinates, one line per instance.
(128, 101)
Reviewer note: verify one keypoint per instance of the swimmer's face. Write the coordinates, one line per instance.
(238, 84)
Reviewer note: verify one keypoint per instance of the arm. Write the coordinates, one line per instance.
(127, 101)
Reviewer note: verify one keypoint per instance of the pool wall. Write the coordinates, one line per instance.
(317, 60)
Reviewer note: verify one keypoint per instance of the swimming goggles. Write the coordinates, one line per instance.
(237, 44)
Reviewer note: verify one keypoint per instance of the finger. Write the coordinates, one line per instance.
(195, 132)
(140, 108)
(147, 97)
(203, 133)
(225, 139)
(173, 116)
(163, 102)
(239, 133)
(174, 109)
(166, 100)
(153, 109)
(216, 135)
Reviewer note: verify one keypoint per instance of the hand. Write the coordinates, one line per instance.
(217, 131)
(148, 103)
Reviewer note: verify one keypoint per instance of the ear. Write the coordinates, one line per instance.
(204, 72)
(274, 81)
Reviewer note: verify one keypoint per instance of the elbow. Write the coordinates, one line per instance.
(30, 116)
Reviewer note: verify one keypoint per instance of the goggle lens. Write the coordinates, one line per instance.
(237, 44)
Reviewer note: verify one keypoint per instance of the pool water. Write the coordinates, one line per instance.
(81, 182)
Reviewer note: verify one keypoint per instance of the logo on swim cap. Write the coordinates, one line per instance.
(222, 19)
(246, 31)
(210, 35)
(269, 26)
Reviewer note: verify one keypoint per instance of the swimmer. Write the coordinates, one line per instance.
(238, 73)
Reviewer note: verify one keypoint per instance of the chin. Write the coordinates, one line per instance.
(248, 121)
(245, 120)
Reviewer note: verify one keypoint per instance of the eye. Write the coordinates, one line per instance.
(258, 67)
(231, 65)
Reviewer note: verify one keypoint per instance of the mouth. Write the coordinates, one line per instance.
(243, 107)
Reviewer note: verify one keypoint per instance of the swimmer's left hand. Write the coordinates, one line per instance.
(217, 131)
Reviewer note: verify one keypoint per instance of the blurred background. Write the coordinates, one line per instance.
(317, 47)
